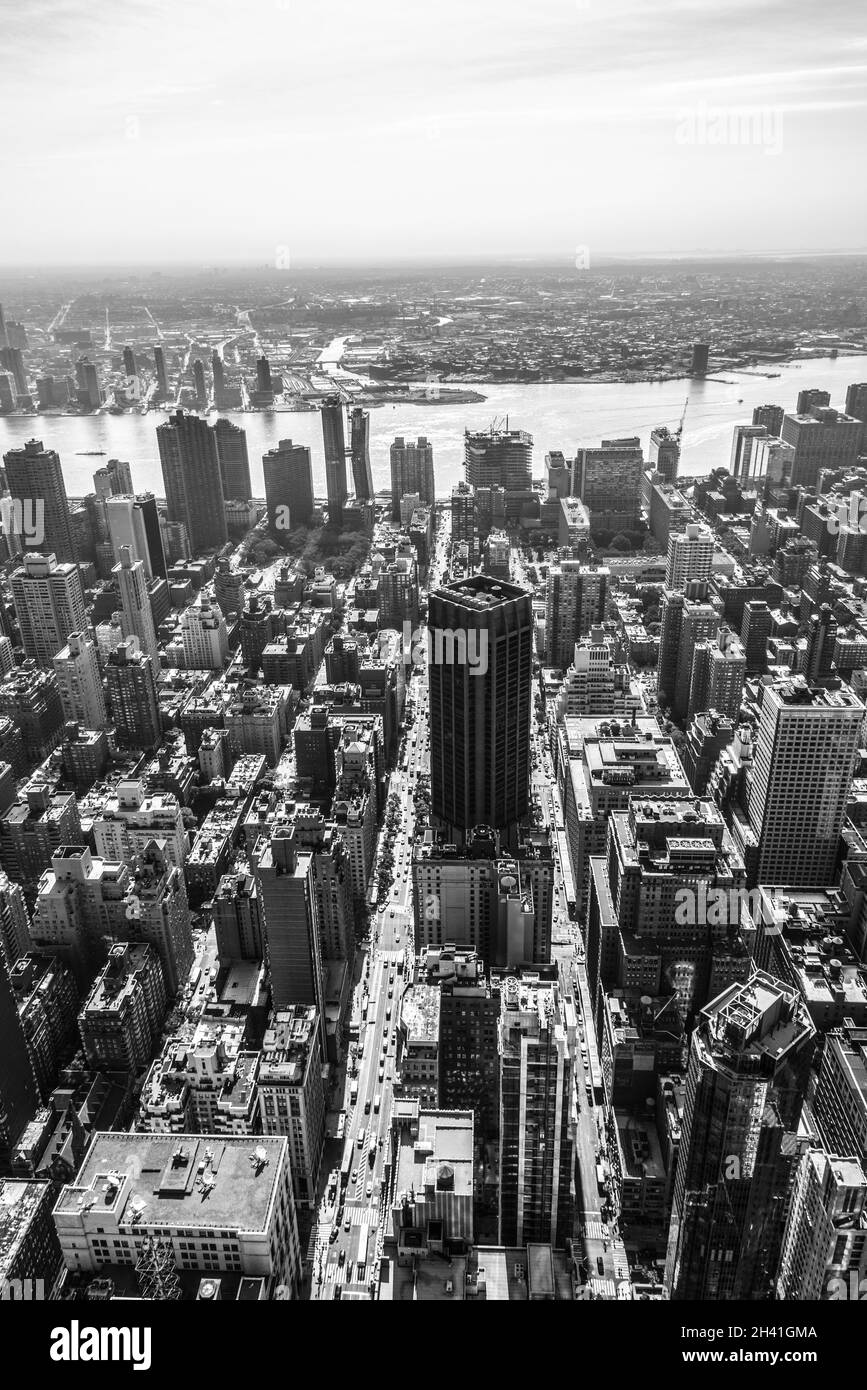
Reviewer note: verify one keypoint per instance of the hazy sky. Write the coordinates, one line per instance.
(263, 130)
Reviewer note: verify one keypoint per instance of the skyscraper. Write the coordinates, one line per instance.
(114, 479)
(138, 619)
(741, 465)
(132, 691)
(49, 601)
(804, 761)
(19, 1095)
(811, 398)
(498, 458)
(87, 385)
(771, 416)
(608, 481)
(161, 374)
(690, 555)
(823, 438)
(412, 470)
(700, 356)
(199, 384)
(334, 440)
(747, 1078)
(575, 596)
(78, 681)
(234, 460)
(284, 880)
(288, 484)
(536, 1143)
(34, 475)
(480, 676)
(359, 446)
(12, 358)
(856, 407)
(218, 372)
(134, 522)
(664, 454)
(191, 473)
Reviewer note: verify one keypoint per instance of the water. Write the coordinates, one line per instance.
(558, 416)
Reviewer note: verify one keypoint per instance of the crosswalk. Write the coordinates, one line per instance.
(595, 1230)
(603, 1288)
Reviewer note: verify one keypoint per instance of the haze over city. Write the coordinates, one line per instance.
(362, 132)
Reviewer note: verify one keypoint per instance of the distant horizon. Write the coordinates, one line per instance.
(493, 260)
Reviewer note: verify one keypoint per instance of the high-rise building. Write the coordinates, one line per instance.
(288, 485)
(811, 398)
(8, 393)
(132, 692)
(138, 618)
(480, 676)
(200, 386)
(234, 461)
(412, 470)
(717, 676)
(804, 760)
(359, 448)
(856, 407)
(464, 524)
(664, 453)
(575, 595)
(264, 384)
(34, 477)
(334, 441)
(49, 601)
(87, 384)
(204, 636)
(700, 357)
(744, 439)
(292, 1094)
(823, 438)
(608, 482)
(77, 670)
(134, 522)
(114, 479)
(746, 1082)
(191, 474)
(162, 390)
(284, 880)
(122, 1017)
(755, 631)
(690, 555)
(12, 358)
(824, 1252)
(19, 1095)
(536, 1139)
(498, 458)
(771, 416)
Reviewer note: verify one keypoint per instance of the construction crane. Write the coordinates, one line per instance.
(679, 431)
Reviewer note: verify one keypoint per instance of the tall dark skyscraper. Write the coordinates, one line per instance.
(480, 677)
(334, 440)
(219, 375)
(12, 358)
(359, 436)
(664, 455)
(263, 375)
(771, 416)
(191, 474)
(234, 460)
(288, 483)
(412, 470)
(747, 1078)
(700, 357)
(161, 373)
(199, 383)
(34, 475)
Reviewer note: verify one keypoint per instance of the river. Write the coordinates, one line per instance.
(560, 416)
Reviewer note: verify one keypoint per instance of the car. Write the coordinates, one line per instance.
(333, 1234)
(354, 1174)
(347, 1226)
(600, 1264)
(369, 1189)
(342, 1256)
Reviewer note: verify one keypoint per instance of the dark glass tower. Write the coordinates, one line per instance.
(480, 676)
(334, 440)
(359, 437)
(191, 473)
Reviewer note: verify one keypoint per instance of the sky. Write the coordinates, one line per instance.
(282, 132)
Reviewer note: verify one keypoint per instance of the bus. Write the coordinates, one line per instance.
(345, 1169)
(353, 1093)
(361, 1257)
